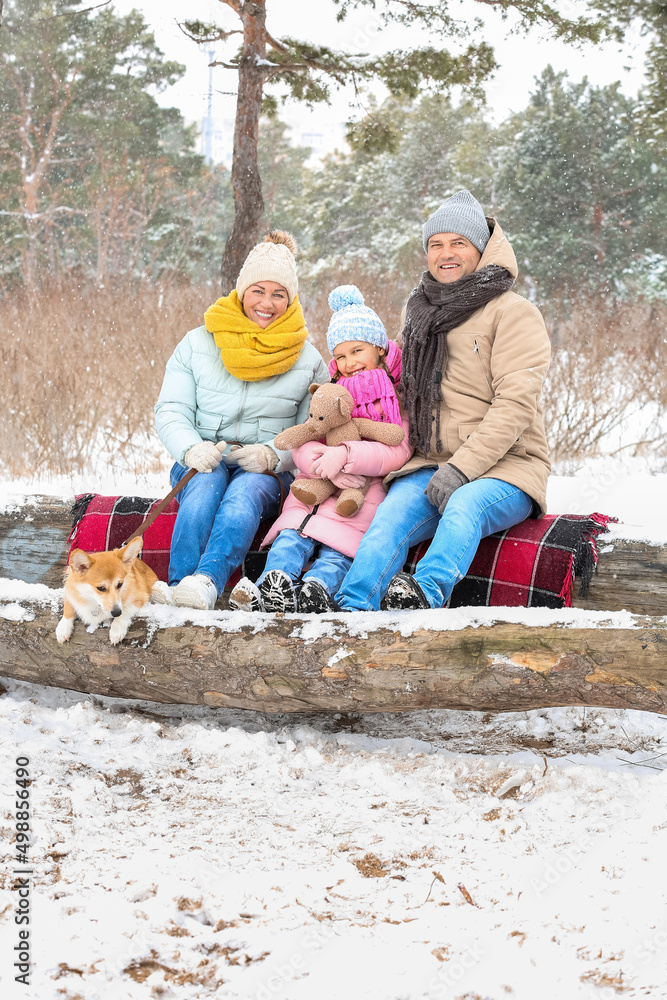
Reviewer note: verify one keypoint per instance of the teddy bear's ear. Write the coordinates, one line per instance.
(346, 405)
(313, 388)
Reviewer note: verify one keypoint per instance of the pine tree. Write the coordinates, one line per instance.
(306, 71)
(583, 192)
(88, 159)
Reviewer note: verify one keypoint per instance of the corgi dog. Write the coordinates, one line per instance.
(103, 586)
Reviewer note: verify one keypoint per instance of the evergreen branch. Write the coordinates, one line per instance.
(403, 72)
(531, 12)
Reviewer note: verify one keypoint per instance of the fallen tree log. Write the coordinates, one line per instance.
(293, 664)
(632, 575)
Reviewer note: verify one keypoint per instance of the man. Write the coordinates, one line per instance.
(474, 357)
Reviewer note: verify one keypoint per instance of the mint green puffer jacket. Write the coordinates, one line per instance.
(201, 401)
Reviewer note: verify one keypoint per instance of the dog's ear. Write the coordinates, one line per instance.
(312, 389)
(132, 550)
(80, 561)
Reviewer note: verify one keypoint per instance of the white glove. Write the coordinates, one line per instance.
(254, 457)
(205, 456)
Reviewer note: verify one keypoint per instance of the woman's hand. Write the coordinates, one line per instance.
(330, 463)
(205, 456)
(255, 457)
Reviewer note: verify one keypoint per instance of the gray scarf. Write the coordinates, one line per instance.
(433, 309)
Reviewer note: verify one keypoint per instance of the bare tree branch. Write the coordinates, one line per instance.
(275, 43)
(73, 13)
(220, 35)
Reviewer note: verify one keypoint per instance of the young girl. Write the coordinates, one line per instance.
(368, 364)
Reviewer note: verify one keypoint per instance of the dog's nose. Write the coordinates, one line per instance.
(116, 612)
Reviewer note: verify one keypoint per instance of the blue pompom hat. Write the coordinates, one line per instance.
(352, 320)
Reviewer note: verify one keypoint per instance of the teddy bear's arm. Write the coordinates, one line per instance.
(295, 436)
(346, 432)
(373, 430)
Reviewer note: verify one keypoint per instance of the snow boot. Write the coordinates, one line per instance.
(162, 593)
(404, 593)
(278, 592)
(245, 596)
(315, 599)
(196, 591)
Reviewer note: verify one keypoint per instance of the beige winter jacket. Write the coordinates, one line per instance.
(491, 420)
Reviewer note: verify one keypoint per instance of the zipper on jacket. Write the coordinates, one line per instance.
(238, 419)
(479, 358)
(305, 521)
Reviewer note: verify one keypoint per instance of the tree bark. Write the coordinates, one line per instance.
(246, 181)
(274, 667)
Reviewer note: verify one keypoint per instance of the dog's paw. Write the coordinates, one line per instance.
(117, 633)
(64, 630)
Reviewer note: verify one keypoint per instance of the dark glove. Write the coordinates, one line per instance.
(443, 483)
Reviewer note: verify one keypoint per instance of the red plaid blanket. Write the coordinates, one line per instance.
(100, 523)
(531, 565)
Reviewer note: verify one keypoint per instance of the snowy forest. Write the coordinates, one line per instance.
(460, 801)
(113, 225)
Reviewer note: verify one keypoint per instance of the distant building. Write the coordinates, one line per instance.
(216, 140)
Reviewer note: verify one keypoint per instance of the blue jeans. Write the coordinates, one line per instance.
(218, 515)
(291, 552)
(406, 517)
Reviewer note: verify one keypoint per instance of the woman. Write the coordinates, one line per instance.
(239, 380)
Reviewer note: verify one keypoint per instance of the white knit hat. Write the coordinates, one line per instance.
(272, 260)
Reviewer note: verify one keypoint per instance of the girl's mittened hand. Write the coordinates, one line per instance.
(317, 450)
(330, 464)
(348, 481)
(205, 456)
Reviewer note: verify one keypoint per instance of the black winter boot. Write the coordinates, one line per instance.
(315, 599)
(278, 592)
(404, 593)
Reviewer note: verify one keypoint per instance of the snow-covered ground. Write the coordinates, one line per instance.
(195, 853)
(192, 852)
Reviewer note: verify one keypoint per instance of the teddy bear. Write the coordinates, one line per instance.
(330, 417)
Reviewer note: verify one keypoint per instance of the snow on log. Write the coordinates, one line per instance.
(481, 659)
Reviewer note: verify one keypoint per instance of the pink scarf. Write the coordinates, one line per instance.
(375, 386)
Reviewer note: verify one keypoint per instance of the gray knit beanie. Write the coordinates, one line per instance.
(461, 214)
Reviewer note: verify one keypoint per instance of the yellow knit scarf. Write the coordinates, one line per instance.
(248, 352)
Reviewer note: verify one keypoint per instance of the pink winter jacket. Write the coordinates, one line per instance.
(365, 458)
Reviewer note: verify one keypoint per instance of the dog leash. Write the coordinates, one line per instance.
(155, 513)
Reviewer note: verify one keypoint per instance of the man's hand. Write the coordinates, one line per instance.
(445, 481)
(330, 463)
(205, 456)
(255, 458)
